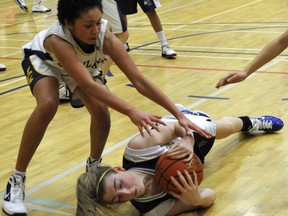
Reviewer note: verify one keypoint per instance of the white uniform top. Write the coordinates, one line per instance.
(50, 65)
(143, 160)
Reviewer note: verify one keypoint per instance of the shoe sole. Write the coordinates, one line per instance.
(64, 100)
(2, 69)
(169, 56)
(41, 11)
(15, 214)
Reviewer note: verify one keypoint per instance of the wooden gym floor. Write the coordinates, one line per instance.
(212, 38)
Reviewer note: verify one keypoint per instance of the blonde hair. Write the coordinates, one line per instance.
(88, 202)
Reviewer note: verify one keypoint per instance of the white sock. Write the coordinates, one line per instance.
(16, 172)
(162, 38)
(37, 2)
(93, 160)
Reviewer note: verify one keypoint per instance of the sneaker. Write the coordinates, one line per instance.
(40, 9)
(2, 67)
(22, 4)
(91, 163)
(14, 196)
(64, 95)
(195, 112)
(167, 52)
(266, 123)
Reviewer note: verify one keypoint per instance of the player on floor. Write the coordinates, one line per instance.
(37, 6)
(135, 182)
(273, 49)
(129, 7)
(72, 51)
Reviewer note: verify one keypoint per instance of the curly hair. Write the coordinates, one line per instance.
(72, 9)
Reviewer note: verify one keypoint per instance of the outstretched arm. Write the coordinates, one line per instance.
(162, 136)
(66, 55)
(114, 48)
(269, 52)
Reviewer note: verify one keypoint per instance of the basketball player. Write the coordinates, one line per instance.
(117, 25)
(268, 53)
(71, 51)
(129, 7)
(37, 6)
(2, 67)
(135, 181)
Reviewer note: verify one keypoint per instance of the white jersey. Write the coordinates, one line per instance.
(47, 63)
(144, 160)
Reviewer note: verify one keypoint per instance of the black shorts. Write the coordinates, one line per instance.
(130, 6)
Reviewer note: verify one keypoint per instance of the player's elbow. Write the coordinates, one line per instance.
(208, 197)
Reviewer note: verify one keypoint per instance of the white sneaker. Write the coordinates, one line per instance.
(40, 9)
(167, 52)
(64, 95)
(2, 67)
(22, 4)
(14, 196)
(90, 163)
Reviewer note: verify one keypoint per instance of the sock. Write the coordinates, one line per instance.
(162, 38)
(247, 124)
(16, 172)
(93, 160)
(37, 2)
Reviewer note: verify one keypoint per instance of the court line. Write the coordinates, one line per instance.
(224, 12)
(119, 144)
(125, 141)
(11, 90)
(144, 16)
(209, 97)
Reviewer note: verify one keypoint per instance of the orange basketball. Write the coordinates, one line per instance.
(167, 167)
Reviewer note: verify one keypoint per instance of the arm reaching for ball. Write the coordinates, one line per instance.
(269, 52)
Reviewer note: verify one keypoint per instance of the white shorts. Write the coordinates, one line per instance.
(43, 69)
(201, 121)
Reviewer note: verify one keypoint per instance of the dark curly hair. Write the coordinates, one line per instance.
(72, 9)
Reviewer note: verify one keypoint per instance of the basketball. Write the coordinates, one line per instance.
(167, 167)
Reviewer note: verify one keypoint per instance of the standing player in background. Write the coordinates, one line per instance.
(268, 53)
(117, 24)
(37, 6)
(129, 7)
(2, 67)
(73, 51)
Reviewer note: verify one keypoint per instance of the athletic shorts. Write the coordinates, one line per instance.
(203, 145)
(35, 68)
(130, 6)
(115, 18)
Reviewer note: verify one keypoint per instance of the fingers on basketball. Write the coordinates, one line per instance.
(167, 167)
